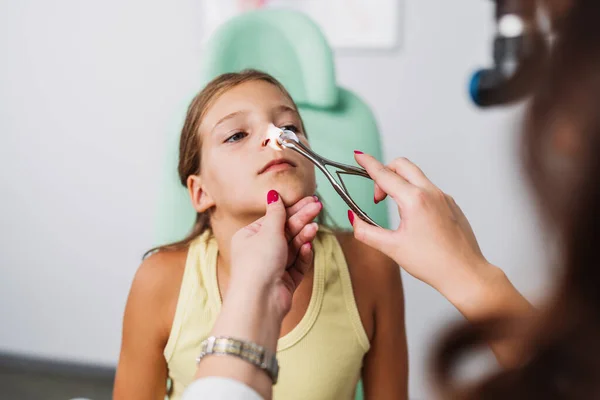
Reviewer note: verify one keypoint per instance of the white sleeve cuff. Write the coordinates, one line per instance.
(217, 388)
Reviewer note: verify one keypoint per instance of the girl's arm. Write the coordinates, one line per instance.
(380, 299)
(385, 370)
(142, 369)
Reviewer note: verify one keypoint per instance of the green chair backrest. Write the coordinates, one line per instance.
(286, 44)
(289, 46)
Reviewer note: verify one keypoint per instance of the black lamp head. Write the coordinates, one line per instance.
(520, 49)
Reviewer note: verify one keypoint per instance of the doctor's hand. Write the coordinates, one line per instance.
(434, 242)
(269, 259)
(271, 256)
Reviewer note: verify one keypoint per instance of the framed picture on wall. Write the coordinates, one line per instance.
(347, 24)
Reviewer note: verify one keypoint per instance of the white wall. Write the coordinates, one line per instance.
(88, 91)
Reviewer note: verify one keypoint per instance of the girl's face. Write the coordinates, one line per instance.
(238, 168)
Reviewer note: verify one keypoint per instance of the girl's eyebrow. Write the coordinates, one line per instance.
(283, 108)
(228, 117)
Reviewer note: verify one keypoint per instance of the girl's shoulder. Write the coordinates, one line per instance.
(163, 268)
(364, 260)
(373, 274)
(157, 283)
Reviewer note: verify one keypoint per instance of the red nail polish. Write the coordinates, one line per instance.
(375, 200)
(358, 152)
(272, 196)
(351, 217)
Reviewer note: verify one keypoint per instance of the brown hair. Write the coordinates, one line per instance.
(190, 141)
(561, 143)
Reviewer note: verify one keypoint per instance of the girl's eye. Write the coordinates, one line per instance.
(236, 137)
(292, 128)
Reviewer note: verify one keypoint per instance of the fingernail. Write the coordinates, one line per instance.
(316, 198)
(351, 217)
(320, 204)
(375, 200)
(272, 196)
(358, 152)
(309, 245)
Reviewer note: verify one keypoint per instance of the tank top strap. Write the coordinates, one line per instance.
(198, 287)
(338, 267)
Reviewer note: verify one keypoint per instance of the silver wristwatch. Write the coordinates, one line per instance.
(247, 351)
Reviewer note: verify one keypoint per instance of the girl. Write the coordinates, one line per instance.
(346, 319)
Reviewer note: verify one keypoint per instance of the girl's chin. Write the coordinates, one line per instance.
(291, 197)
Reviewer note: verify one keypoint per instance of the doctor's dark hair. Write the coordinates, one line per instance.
(560, 357)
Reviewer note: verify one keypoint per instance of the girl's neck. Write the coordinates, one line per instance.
(223, 230)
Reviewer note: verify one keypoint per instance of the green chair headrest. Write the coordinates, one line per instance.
(285, 44)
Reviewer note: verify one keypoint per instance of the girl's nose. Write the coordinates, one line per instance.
(270, 137)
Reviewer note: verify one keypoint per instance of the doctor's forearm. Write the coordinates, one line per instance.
(490, 294)
(244, 316)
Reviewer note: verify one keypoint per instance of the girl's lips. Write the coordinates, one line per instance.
(277, 165)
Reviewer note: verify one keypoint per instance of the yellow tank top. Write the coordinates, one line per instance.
(321, 358)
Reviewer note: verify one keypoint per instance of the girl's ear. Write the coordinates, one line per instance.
(201, 199)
